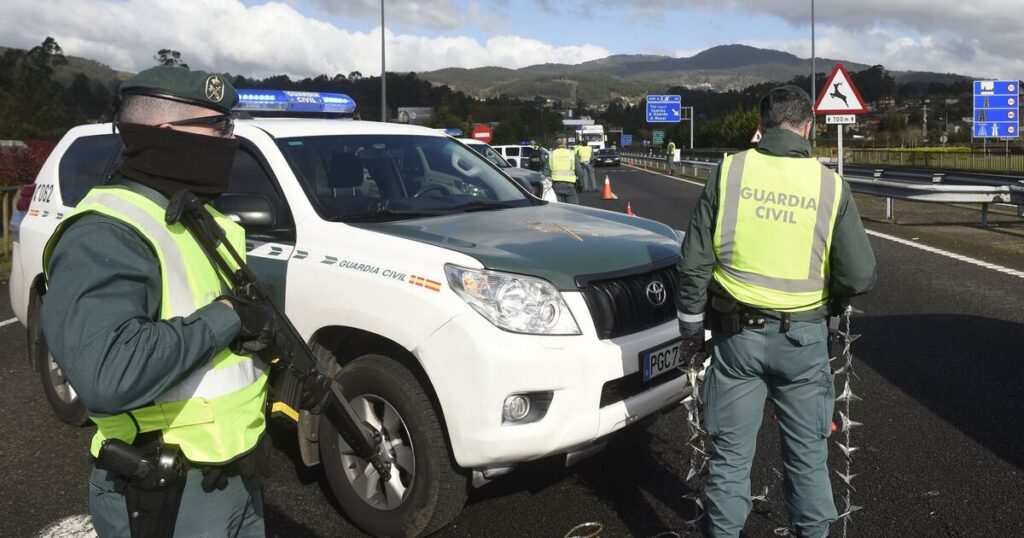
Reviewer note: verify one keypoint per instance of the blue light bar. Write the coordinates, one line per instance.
(453, 131)
(290, 101)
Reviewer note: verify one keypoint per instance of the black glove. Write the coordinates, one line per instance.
(837, 305)
(258, 325)
(692, 351)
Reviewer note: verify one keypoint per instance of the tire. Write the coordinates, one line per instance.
(66, 404)
(434, 488)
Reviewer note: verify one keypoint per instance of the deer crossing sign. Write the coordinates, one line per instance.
(839, 95)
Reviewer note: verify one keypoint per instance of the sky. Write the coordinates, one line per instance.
(304, 38)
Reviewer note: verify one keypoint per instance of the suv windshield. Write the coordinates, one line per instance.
(395, 177)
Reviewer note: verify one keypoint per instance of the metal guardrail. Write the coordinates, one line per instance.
(987, 189)
(993, 161)
(7, 204)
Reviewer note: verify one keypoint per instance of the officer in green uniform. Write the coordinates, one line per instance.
(138, 319)
(670, 156)
(775, 239)
(564, 169)
(585, 153)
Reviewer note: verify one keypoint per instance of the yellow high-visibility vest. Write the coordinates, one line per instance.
(773, 230)
(585, 152)
(562, 162)
(216, 413)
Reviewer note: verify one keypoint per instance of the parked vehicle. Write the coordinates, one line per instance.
(474, 326)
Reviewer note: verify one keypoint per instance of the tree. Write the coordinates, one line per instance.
(169, 58)
(355, 76)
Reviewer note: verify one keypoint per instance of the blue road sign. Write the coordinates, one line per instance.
(625, 140)
(664, 108)
(996, 109)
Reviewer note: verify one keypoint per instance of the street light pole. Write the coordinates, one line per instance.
(383, 71)
(814, 74)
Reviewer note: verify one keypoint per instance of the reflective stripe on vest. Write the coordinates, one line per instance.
(774, 230)
(562, 162)
(216, 412)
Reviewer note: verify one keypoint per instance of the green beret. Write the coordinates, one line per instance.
(199, 88)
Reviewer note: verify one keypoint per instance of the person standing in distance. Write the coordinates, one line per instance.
(774, 243)
(563, 167)
(137, 317)
(670, 156)
(585, 153)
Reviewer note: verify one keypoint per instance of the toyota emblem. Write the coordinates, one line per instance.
(656, 293)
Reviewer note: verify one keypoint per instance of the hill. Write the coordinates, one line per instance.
(722, 68)
(94, 70)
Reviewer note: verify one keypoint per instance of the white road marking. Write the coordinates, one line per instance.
(946, 253)
(691, 182)
(7, 322)
(70, 527)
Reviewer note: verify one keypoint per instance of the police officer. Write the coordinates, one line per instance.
(136, 317)
(585, 153)
(564, 169)
(670, 156)
(774, 240)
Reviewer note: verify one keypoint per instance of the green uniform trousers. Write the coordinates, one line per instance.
(792, 368)
(234, 511)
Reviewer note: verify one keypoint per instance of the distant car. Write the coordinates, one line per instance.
(606, 157)
(534, 182)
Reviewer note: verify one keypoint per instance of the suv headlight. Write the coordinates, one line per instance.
(515, 303)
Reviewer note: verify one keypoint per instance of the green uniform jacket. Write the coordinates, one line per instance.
(851, 261)
(99, 317)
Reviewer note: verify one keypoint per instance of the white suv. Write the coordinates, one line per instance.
(473, 326)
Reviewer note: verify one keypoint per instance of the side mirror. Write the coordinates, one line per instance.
(252, 211)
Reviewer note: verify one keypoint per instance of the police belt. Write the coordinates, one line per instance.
(726, 314)
(151, 476)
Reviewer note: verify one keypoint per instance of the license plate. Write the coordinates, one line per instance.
(661, 359)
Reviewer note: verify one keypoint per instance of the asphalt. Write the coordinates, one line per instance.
(940, 454)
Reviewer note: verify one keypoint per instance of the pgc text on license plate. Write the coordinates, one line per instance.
(661, 359)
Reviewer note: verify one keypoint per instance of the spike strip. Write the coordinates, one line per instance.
(698, 447)
(845, 363)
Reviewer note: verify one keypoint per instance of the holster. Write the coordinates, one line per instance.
(151, 477)
(727, 315)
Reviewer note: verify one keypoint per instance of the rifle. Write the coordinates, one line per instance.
(296, 379)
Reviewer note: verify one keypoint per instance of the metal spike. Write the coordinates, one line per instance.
(777, 472)
(847, 394)
(762, 497)
(847, 423)
(853, 311)
(848, 450)
(695, 522)
(848, 514)
(848, 478)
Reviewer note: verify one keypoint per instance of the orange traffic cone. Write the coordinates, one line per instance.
(629, 210)
(608, 194)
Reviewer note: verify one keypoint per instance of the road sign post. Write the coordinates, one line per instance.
(840, 101)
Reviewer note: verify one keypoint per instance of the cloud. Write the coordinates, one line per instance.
(266, 39)
(437, 14)
(898, 51)
(967, 36)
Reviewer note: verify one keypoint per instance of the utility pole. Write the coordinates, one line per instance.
(383, 71)
(814, 74)
(924, 121)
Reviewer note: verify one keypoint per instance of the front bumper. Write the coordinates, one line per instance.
(474, 366)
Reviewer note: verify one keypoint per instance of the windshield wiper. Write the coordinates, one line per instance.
(479, 206)
(384, 211)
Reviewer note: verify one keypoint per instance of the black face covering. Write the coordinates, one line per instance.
(169, 160)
